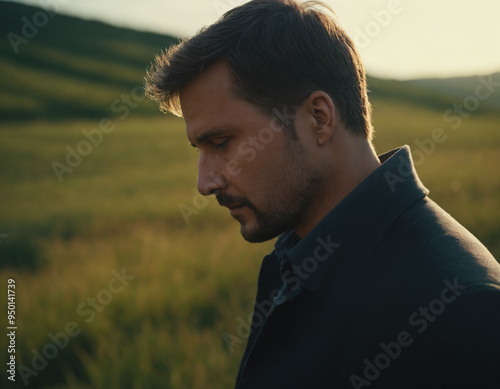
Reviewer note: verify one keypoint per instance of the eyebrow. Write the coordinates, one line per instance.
(213, 132)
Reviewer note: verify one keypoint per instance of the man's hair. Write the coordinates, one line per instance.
(278, 52)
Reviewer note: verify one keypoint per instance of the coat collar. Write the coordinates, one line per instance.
(359, 222)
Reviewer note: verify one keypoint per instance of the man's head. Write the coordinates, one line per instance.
(278, 52)
(272, 95)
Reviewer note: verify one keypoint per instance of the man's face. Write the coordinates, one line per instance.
(245, 159)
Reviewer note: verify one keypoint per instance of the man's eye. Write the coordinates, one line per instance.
(221, 144)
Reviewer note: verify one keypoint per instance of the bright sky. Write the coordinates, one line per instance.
(396, 38)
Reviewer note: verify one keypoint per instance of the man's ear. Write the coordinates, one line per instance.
(322, 109)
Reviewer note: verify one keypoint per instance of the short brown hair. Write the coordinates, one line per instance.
(278, 52)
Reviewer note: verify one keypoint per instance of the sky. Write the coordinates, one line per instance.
(398, 39)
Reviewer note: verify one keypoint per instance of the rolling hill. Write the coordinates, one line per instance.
(460, 87)
(69, 67)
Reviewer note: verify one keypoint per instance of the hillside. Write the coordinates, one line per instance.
(460, 87)
(70, 68)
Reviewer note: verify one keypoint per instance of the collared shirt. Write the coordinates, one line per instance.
(357, 282)
(281, 248)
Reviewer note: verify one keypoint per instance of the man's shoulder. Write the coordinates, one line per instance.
(433, 238)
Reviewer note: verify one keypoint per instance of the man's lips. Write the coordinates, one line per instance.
(234, 203)
(234, 208)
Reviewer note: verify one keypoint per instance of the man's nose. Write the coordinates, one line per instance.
(211, 176)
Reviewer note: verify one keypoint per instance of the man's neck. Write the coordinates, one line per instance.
(354, 161)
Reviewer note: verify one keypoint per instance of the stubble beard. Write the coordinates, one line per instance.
(289, 199)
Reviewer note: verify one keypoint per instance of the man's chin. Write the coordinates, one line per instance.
(255, 229)
(256, 234)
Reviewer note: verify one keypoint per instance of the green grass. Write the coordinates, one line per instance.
(119, 209)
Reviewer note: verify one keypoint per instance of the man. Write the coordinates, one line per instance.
(371, 284)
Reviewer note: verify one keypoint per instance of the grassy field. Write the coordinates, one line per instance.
(119, 209)
(114, 287)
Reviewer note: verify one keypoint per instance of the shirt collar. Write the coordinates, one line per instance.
(359, 222)
(284, 243)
